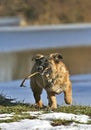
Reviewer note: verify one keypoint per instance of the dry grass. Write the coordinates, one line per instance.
(48, 12)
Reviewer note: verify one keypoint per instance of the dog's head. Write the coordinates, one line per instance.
(41, 63)
(56, 57)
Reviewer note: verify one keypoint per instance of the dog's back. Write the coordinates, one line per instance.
(59, 75)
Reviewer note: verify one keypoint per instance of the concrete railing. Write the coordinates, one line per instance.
(22, 38)
(15, 64)
(9, 21)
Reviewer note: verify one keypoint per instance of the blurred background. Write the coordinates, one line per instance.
(28, 27)
(47, 11)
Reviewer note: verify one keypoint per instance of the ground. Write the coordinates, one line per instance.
(20, 116)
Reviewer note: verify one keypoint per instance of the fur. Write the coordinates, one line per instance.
(53, 77)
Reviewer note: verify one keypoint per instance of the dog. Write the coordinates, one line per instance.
(53, 76)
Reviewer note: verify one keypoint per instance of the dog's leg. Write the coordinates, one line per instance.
(68, 94)
(37, 97)
(49, 100)
(38, 101)
(36, 92)
(52, 100)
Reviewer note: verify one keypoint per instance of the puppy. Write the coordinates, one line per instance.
(37, 81)
(53, 76)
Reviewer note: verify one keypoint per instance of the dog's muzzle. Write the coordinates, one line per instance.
(40, 69)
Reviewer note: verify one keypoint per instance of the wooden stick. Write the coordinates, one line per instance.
(28, 77)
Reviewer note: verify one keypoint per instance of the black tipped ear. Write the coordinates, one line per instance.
(59, 56)
(37, 57)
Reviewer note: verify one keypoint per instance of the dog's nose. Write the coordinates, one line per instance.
(40, 69)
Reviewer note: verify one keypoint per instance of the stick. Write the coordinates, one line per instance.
(28, 77)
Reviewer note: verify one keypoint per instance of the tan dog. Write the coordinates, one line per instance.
(53, 76)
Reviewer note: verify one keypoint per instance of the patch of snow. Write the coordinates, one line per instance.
(35, 113)
(43, 122)
(6, 116)
(41, 125)
(26, 125)
(65, 116)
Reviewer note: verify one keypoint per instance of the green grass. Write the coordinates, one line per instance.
(75, 109)
(18, 117)
(58, 122)
(89, 122)
(18, 110)
(6, 106)
(21, 107)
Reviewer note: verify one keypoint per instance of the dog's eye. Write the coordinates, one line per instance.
(40, 62)
(46, 60)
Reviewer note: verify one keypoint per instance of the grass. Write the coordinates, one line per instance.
(89, 122)
(6, 106)
(18, 117)
(58, 122)
(75, 109)
(21, 107)
(61, 11)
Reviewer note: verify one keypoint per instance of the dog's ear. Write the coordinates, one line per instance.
(37, 57)
(57, 57)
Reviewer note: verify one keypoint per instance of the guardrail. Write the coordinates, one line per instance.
(23, 38)
(9, 21)
(15, 64)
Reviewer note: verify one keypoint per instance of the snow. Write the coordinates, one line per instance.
(5, 116)
(65, 116)
(26, 125)
(43, 122)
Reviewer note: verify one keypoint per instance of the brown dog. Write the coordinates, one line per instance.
(53, 76)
